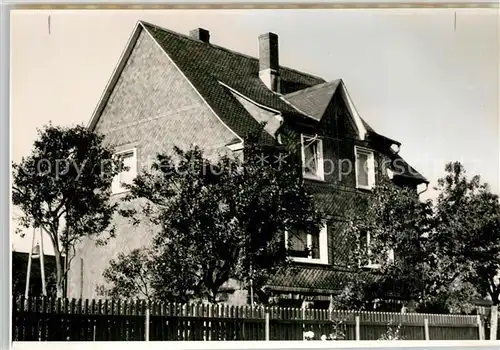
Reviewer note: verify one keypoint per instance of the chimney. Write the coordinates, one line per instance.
(200, 34)
(269, 61)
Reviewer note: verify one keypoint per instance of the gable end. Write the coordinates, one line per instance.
(115, 75)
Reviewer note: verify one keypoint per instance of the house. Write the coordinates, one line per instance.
(171, 89)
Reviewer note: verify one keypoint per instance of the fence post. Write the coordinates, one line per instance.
(426, 328)
(480, 327)
(493, 322)
(358, 330)
(146, 325)
(267, 324)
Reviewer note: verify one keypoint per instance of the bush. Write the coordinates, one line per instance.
(392, 333)
(337, 332)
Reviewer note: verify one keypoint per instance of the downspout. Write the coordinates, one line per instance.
(425, 189)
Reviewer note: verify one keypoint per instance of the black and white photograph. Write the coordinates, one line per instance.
(313, 175)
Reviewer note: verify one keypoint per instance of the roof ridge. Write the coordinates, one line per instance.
(249, 99)
(186, 36)
(167, 30)
(295, 107)
(305, 73)
(313, 88)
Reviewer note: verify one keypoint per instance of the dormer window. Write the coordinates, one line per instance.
(365, 168)
(312, 157)
(127, 173)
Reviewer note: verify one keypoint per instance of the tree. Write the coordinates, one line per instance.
(144, 274)
(64, 187)
(221, 220)
(393, 224)
(445, 254)
(360, 292)
(130, 275)
(467, 237)
(423, 272)
(396, 224)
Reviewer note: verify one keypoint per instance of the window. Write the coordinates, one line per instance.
(312, 157)
(364, 249)
(128, 171)
(303, 245)
(365, 252)
(365, 168)
(307, 247)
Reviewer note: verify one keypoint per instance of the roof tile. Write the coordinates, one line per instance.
(313, 278)
(314, 100)
(205, 65)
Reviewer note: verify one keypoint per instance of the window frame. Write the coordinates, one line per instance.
(116, 186)
(320, 176)
(370, 264)
(371, 167)
(323, 247)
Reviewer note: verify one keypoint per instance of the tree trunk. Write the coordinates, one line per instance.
(493, 322)
(59, 268)
(59, 273)
(214, 295)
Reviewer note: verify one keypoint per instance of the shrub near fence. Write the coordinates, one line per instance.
(44, 319)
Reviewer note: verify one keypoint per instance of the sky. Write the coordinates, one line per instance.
(415, 75)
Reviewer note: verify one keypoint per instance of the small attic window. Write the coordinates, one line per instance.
(127, 173)
(312, 157)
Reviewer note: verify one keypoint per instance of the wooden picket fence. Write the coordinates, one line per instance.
(46, 319)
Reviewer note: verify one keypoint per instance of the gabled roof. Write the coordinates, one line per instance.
(205, 65)
(314, 100)
(407, 171)
(215, 71)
